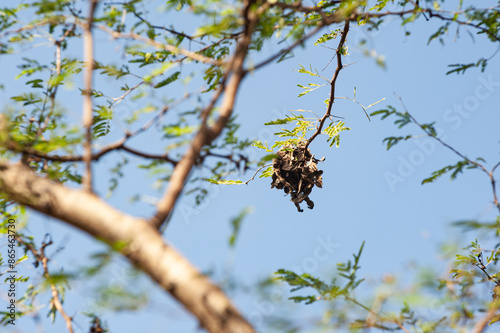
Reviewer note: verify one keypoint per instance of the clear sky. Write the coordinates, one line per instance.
(369, 194)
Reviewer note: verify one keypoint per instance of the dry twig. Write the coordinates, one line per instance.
(42, 258)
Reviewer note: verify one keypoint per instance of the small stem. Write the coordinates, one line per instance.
(352, 300)
(41, 257)
(256, 172)
(479, 165)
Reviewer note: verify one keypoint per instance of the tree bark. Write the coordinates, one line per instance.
(134, 237)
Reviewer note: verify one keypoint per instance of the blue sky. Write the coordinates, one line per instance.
(401, 222)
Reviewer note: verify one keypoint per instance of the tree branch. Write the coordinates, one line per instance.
(88, 60)
(465, 158)
(192, 55)
(482, 324)
(135, 238)
(119, 145)
(172, 31)
(332, 85)
(288, 49)
(42, 258)
(206, 134)
(256, 172)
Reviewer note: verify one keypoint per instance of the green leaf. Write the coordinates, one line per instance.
(168, 80)
(474, 224)
(384, 112)
(311, 87)
(102, 121)
(461, 68)
(456, 169)
(261, 145)
(111, 70)
(441, 31)
(286, 120)
(268, 172)
(27, 99)
(236, 224)
(494, 319)
(224, 181)
(35, 83)
(333, 131)
(326, 37)
(430, 129)
(303, 70)
(174, 131)
(392, 140)
(380, 5)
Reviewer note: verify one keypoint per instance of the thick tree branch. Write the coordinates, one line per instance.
(206, 134)
(135, 238)
(482, 324)
(88, 60)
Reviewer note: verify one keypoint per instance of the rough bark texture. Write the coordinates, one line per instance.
(137, 239)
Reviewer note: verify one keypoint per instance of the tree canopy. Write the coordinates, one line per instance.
(122, 119)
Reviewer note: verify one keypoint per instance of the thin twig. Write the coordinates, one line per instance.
(288, 49)
(428, 132)
(401, 326)
(118, 145)
(373, 312)
(52, 91)
(42, 258)
(453, 19)
(256, 172)
(332, 85)
(118, 100)
(191, 38)
(482, 267)
(493, 185)
(159, 115)
(298, 7)
(192, 55)
(496, 166)
(238, 162)
(477, 164)
(163, 157)
(33, 26)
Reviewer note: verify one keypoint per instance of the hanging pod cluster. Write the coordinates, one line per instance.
(295, 171)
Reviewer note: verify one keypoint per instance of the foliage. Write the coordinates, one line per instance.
(236, 225)
(158, 86)
(325, 291)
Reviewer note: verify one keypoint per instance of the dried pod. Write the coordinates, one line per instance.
(295, 171)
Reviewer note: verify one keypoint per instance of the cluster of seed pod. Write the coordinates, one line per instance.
(296, 172)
